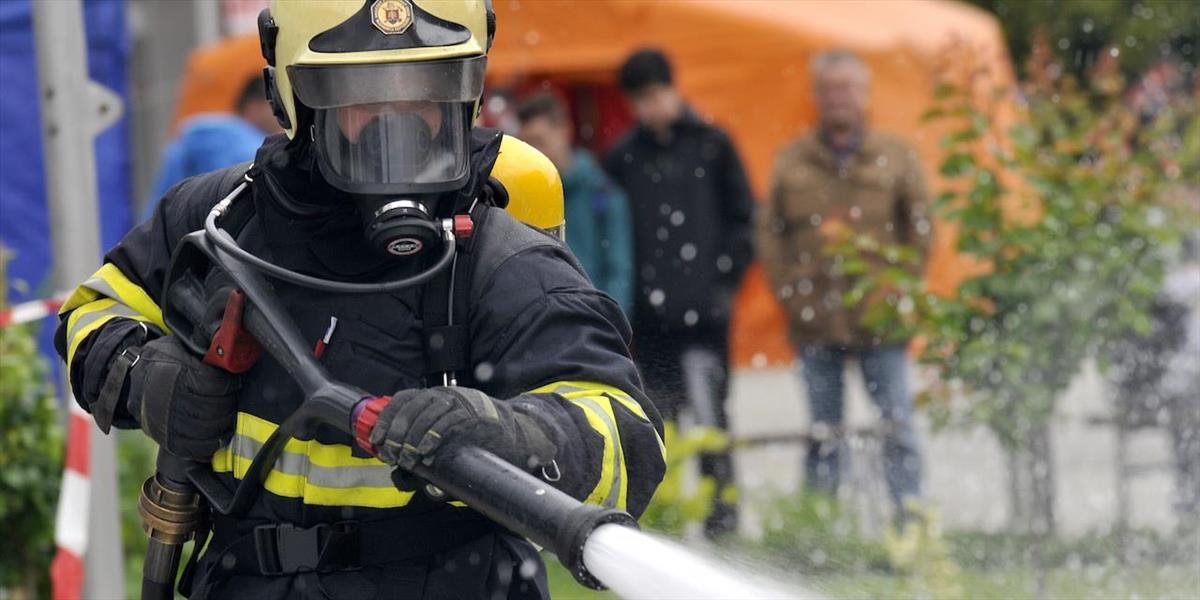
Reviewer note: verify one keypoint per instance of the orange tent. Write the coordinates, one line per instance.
(216, 74)
(743, 63)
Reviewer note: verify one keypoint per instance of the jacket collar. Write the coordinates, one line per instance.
(688, 120)
(819, 151)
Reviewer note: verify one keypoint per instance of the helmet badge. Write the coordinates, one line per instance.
(391, 17)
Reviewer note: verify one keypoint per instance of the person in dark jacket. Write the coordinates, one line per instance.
(375, 151)
(692, 210)
(598, 229)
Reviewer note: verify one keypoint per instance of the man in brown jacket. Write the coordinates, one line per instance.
(841, 176)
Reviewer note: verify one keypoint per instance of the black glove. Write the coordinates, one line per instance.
(188, 407)
(417, 423)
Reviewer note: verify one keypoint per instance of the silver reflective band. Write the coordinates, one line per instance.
(328, 86)
(402, 204)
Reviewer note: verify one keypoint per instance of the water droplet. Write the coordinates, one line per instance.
(807, 313)
(882, 160)
(699, 172)
(906, 305)
(657, 297)
(724, 263)
(804, 286)
(662, 234)
(664, 209)
(855, 212)
(815, 220)
(691, 317)
(484, 372)
(532, 38)
(687, 251)
(528, 570)
(759, 360)
(677, 218)
(228, 562)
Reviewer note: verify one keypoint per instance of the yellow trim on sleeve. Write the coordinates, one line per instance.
(128, 292)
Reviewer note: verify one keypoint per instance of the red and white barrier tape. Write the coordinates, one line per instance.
(31, 311)
(71, 519)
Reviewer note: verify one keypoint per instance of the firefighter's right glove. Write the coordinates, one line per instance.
(188, 407)
(416, 424)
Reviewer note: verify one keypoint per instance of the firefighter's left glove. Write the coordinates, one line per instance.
(188, 407)
(416, 424)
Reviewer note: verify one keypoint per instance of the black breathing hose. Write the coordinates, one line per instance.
(226, 243)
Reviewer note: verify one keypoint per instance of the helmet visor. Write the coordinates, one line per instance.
(392, 127)
(458, 80)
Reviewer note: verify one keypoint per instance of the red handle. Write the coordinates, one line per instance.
(232, 347)
(366, 415)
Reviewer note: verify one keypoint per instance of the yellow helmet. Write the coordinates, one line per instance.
(535, 192)
(386, 89)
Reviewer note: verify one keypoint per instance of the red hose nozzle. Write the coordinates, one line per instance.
(364, 417)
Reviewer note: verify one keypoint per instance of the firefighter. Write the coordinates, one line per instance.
(377, 99)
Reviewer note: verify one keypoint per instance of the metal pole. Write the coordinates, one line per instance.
(73, 110)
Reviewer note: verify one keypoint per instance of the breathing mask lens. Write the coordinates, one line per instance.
(393, 145)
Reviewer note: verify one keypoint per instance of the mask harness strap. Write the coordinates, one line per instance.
(461, 226)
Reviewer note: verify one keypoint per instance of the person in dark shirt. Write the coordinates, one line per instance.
(692, 209)
(597, 212)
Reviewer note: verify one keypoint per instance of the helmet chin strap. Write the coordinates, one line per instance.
(449, 231)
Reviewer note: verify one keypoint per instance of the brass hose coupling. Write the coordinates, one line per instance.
(170, 515)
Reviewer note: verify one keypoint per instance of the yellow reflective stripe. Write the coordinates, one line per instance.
(575, 389)
(79, 297)
(611, 487)
(90, 317)
(319, 474)
(569, 388)
(106, 295)
(595, 400)
(111, 282)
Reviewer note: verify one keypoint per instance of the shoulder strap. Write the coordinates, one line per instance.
(445, 304)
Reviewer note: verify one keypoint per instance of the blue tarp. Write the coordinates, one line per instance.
(23, 218)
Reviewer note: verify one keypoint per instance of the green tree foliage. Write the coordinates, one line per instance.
(31, 444)
(1142, 31)
(676, 505)
(1073, 245)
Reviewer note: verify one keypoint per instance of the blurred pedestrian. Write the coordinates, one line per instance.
(691, 207)
(210, 141)
(844, 175)
(598, 230)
